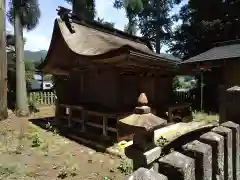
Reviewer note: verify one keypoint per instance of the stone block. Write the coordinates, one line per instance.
(141, 158)
(227, 134)
(177, 166)
(145, 174)
(235, 148)
(217, 143)
(152, 155)
(202, 153)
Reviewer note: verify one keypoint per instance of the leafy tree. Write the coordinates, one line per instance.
(85, 9)
(152, 17)
(11, 71)
(131, 28)
(23, 14)
(105, 23)
(132, 9)
(204, 24)
(176, 83)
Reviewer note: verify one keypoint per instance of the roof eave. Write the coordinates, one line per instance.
(153, 58)
(207, 60)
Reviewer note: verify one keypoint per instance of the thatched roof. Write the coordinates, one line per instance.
(92, 43)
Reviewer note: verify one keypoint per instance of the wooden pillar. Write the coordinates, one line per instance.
(69, 116)
(222, 104)
(83, 120)
(105, 133)
(118, 138)
(57, 109)
(170, 115)
(81, 83)
(119, 88)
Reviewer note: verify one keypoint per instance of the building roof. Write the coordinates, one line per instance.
(93, 41)
(224, 50)
(88, 41)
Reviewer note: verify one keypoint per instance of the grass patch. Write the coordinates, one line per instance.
(7, 170)
(200, 116)
(126, 166)
(66, 171)
(36, 142)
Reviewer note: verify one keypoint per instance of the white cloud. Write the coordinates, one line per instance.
(106, 10)
(36, 42)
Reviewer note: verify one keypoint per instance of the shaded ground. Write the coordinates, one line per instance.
(52, 157)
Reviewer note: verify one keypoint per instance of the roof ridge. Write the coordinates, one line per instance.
(103, 28)
(225, 43)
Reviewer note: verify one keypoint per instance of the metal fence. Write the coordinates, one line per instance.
(42, 98)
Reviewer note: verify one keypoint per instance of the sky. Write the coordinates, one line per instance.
(40, 37)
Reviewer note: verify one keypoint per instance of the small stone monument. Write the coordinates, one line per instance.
(142, 124)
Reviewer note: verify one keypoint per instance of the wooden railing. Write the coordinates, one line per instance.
(42, 98)
(183, 96)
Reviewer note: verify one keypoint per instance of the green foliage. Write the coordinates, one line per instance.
(29, 10)
(126, 166)
(176, 83)
(131, 28)
(105, 23)
(28, 13)
(32, 107)
(203, 25)
(66, 171)
(106, 178)
(161, 142)
(132, 8)
(87, 8)
(36, 142)
(63, 174)
(29, 70)
(143, 13)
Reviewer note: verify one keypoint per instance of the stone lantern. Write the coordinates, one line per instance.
(142, 124)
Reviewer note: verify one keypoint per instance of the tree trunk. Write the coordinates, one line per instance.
(3, 64)
(158, 27)
(21, 90)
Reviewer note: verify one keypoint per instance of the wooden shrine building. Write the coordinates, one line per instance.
(100, 71)
(221, 70)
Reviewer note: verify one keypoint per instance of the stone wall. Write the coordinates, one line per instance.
(208, 155)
